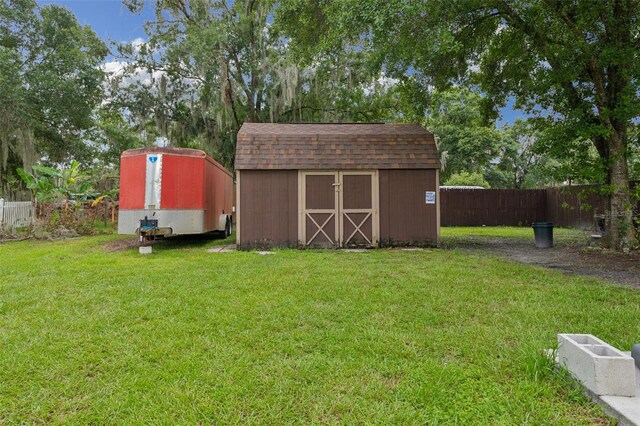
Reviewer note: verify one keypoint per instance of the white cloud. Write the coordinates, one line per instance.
(383, 82)
(114, 68)
(474, 67)
(138, 43)
(138, 75)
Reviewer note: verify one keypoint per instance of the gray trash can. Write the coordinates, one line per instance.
(543, 234)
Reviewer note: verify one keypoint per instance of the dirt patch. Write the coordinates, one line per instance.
(222, 249)
(176, 242)
(13, 240)
(121, 245)
(573, 257)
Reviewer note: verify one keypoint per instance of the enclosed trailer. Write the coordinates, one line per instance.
(173, 191)
(336, 185)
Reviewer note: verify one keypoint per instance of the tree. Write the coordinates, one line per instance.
(634, 153)
(466, 141)
(50, 83)
(467, 179)
(113, 135)
(522, 161)
(212, 65)
(574, 63)
(572, 160)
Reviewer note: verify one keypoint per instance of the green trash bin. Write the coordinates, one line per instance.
(543, 234)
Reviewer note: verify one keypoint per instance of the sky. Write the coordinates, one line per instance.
(111, 20)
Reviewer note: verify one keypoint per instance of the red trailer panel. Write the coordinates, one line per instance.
(132, 171)
(221, 197)
(183, 182)
(184, 190)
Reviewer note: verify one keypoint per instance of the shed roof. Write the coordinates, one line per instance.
(262, 146)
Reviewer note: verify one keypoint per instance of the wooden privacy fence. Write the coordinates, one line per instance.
(491, 207)
(15, 213)
(574, 207)
(569, 206)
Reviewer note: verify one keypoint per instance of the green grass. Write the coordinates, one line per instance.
(509, 232)
(385, 336)
(561, 236)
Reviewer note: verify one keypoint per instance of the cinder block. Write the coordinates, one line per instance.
(600, 367)
(145, 250)
(635, 354)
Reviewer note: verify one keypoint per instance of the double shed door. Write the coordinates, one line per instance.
(339, 209)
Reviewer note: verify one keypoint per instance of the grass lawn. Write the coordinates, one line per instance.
(385, 336)
(561, 236)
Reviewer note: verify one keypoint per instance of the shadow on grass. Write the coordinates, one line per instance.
(195, 241)
(508, 238)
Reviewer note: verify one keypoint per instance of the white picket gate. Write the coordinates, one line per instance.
(15, 213)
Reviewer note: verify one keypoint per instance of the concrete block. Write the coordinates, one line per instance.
(145, 250)
(635, 354)
(600, 367)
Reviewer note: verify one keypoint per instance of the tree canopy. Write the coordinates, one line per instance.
(205, 67)
(467, 143)
(574, 64)
(50, 83)
(214, 65)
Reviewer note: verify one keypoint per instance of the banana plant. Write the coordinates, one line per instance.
(47, 183)
(42, 188)
(109, 196)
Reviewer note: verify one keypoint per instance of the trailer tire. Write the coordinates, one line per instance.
(228, 229)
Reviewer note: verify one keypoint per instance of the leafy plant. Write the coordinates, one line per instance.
(41, 187)
(47, 183)
(110, 196)
(467, 179)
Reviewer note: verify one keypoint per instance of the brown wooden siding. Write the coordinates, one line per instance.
(365, 223)
(321, 239)
(320, 192)
(405, 218)
(357, 192)
(268, 208)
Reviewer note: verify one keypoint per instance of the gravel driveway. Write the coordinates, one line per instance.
(578, 255)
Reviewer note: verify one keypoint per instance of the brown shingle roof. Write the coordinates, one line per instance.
(335, 146)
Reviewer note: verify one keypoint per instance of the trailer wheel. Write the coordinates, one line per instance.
(228, 229)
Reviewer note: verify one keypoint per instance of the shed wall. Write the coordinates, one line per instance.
(268, 208)
(405, 218)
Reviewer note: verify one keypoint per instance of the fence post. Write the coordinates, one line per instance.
(1, 212)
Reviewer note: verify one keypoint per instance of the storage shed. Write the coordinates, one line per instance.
(336, 185)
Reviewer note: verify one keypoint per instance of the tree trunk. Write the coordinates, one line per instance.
(620, 227)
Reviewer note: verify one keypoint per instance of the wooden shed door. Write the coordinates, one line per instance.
(320, 209)
(339, 209)
(358, 211)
